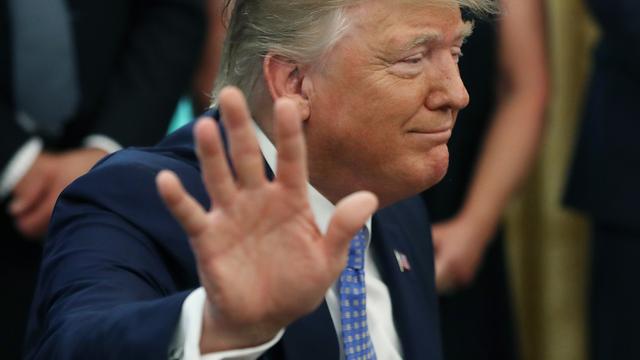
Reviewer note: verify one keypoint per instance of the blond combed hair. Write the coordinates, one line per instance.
(301, 31)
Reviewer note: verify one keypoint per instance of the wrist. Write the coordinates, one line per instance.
(220, 334)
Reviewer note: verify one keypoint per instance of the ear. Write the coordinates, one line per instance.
(284, 78)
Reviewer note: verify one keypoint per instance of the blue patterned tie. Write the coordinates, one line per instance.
(355, 332)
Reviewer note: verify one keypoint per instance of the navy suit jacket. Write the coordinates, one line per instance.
(606, 169)
(117, 268)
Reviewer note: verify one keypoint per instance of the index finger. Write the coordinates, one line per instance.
(216, 174)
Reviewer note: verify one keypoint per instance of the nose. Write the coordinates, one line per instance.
(447, 91)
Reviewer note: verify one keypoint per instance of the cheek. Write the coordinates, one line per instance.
(391, 108)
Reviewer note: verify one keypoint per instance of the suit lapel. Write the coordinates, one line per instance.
(414, 304)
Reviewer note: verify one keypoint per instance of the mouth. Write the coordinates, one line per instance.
(434, 136)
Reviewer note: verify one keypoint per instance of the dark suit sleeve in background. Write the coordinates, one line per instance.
(157, 50)
(12, 137)
(603, 181)
(619, 21)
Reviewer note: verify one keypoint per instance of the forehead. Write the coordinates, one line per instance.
(400, 23)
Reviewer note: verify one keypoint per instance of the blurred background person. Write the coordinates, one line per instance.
(79, 79)
(604, 181)
(493, 147)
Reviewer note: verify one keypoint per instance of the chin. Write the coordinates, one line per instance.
(438, 172)
(412, 176)
(413, 182)
(436, 166)
(434, 176)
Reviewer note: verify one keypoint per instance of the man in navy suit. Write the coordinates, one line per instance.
(237, 266)
(605, 179)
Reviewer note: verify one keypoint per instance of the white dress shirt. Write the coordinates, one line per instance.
(379, 312)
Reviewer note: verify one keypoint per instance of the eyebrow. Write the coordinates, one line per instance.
(463, 32)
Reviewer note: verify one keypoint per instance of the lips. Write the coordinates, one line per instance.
(431, 135)
(432, 130)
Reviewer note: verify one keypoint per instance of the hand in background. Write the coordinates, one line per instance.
(261, 257)
(35, 195)
(459, 246)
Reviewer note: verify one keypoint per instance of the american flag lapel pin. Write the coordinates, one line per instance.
(403, 261)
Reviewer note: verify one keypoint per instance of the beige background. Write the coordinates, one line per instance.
(548, 247)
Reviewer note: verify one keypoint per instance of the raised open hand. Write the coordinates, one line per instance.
(261, 258)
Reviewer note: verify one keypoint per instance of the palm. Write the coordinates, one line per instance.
(267, 240)
(261, 258)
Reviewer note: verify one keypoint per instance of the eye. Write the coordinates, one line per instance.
(415, 59)
(410, 66)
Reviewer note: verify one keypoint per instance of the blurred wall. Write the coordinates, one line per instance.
(548, 247)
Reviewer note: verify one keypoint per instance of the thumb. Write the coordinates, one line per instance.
(350, 215)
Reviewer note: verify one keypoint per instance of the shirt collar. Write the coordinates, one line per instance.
(321, 207)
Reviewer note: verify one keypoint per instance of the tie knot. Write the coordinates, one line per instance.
(357, 248)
